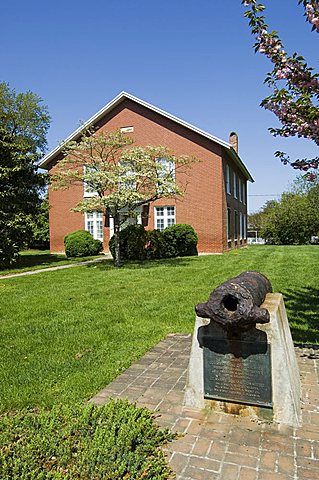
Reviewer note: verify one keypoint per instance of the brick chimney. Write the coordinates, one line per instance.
(233, 140)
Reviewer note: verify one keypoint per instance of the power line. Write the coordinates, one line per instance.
(266, 195)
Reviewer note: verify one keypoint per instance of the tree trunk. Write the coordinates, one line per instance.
(117, 259)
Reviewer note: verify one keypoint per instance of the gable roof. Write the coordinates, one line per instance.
(116, 101)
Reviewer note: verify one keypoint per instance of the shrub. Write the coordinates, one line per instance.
(115, 441)
(155, 245)
(132, 243)
(81, 244)
(180, 241)
(138, 244)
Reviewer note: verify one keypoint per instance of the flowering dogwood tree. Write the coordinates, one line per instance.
(295, 85)
(120, 177)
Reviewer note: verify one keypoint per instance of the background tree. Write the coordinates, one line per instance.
(294, 219)
(255, 219)
(295, 86)
(123, 177)
(40, 226)
(23, 125)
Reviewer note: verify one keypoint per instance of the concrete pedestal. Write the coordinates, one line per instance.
(285, 378)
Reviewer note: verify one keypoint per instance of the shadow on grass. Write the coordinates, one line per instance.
(303, 313)
(41, 260)
(146, 264)
(38, 259)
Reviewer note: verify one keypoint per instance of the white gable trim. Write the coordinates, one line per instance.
(113, 103)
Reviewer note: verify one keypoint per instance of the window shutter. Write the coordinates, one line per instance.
(145, 214)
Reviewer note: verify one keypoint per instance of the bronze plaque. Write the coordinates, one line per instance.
(238, 371)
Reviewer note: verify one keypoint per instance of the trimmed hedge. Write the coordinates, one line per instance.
(81, 244)
(138, 244)
(115, 441)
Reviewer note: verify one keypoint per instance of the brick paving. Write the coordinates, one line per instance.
(218, 446)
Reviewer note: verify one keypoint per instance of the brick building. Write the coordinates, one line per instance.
(215, 202)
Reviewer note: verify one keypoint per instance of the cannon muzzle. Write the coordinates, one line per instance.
(235, 304)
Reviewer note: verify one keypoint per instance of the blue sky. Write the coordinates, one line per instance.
(192, 58)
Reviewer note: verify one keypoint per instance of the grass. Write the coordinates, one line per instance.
(67, 334)
(38, 259)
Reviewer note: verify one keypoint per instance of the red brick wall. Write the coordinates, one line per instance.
(204, 204)
(61, 219)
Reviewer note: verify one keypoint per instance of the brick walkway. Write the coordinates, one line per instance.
(216, 446)
(52, 269)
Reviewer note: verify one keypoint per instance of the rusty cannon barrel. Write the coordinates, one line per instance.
(235, 305)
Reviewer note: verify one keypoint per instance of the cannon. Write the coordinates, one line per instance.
(235, 305)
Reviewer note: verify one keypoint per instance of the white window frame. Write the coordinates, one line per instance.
(94, 224)
(166, 215)
(228, 186)
(244, 193)
(240, 226)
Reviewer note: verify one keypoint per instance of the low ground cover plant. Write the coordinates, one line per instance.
(115, 441)
(81, 244)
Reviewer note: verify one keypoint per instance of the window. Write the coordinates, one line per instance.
(228, 189)
(240, 190)
(165, 167)
(128, 174)
(127, 129)
(94, 224)
(240, 226)
(235, 184)
(165, 172)
(229, 229)
(88, 191)
(164, 217)
(236, 225)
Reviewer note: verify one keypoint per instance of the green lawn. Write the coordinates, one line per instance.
(38, 259)
(66, 334)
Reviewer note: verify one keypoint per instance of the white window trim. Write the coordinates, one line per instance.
(96, 218)
(165, 216)
(240, 226)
